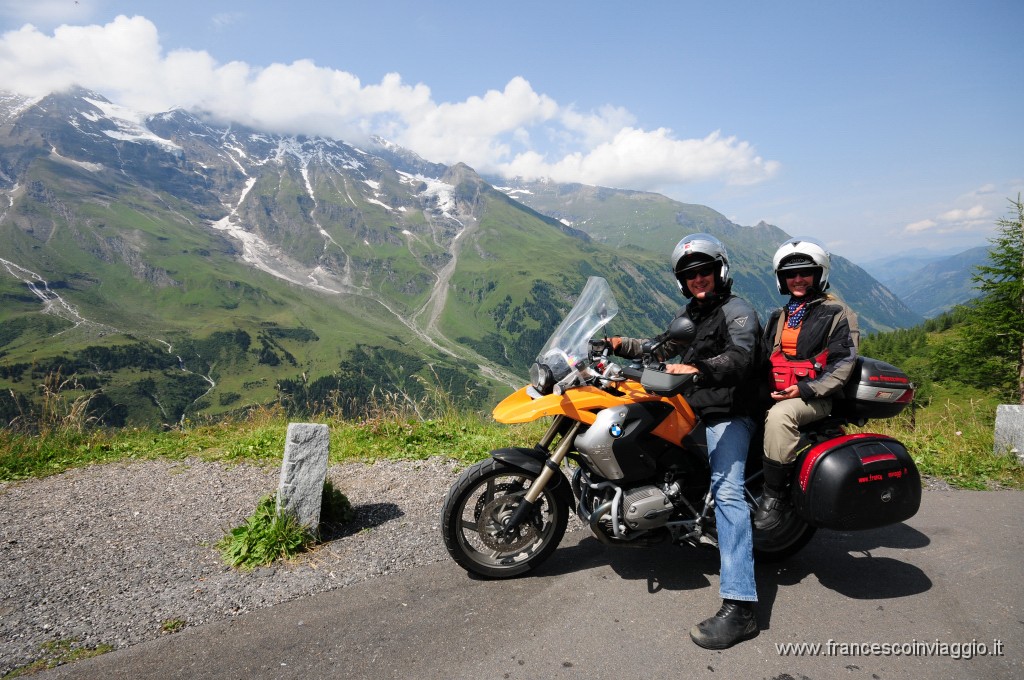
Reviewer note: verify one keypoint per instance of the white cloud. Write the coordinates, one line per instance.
(959, 215)
(515, 130)
(651, 159)
(923, 225)
(958, 220)
(592, 129)
(121, 57)
(480, 131)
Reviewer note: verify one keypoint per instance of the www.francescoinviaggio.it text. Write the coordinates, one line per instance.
(937, 648)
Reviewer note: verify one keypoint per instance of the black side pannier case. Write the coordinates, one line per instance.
(857, 481)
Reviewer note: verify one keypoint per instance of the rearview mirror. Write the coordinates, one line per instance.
(682, 329)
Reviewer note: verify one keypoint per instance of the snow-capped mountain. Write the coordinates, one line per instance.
(192, 266)
(168, 229)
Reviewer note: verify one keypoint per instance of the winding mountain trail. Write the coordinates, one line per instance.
(433, 308)
(57, 306)
(426, 329)
(53, 303)
(435, 304)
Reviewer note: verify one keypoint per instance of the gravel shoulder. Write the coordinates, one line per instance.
(110, 554)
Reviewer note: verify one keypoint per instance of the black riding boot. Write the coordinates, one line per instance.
(734, 622)
(775, 504)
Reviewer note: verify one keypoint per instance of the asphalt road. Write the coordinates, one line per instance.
(936, 587)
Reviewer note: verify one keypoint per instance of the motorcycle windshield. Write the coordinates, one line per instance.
(570, 342)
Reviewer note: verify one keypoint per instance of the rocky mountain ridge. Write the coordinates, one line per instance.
(251, 267)
(633, 220)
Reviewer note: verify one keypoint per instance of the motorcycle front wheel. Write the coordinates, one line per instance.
(477, 509)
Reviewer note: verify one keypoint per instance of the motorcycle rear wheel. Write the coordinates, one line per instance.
(783, 541)
(476, 509)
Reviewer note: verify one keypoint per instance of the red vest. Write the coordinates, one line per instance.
(787, 371)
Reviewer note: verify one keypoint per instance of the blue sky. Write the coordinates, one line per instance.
(878, 127)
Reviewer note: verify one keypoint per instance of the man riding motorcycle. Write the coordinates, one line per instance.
(623, 448)
(722, 359)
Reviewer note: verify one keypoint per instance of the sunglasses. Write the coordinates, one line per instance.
(802, 273)
(706, 270)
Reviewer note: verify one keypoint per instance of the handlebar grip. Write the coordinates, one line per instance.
(633, 373)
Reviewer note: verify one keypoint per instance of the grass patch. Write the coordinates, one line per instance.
(172, 625)
(467, 438)
(952, 438)
(398, 428)
(57, 653)
(258, 437)
(268, 535)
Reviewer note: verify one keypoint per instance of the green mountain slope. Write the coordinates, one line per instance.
(633, 220)
(936, 287)
(178, 269)
(184, 270)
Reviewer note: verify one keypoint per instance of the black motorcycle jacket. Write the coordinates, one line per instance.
(726, 351)
(828, 325)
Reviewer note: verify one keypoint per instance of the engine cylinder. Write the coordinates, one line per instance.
(646, 507)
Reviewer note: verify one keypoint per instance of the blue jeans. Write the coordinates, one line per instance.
(728, 442)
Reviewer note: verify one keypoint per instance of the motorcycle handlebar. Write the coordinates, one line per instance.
(633, 372)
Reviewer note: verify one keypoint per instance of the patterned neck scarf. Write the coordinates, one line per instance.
(796, 309)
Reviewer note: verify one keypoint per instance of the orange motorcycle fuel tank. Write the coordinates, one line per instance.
(584, 403)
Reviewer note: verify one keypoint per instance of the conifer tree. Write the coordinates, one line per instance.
(997, 329)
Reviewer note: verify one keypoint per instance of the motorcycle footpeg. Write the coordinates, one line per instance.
(697, 540)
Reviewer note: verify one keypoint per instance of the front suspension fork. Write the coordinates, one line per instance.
(551, 466)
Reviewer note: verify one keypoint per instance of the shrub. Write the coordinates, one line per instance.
(268, 535)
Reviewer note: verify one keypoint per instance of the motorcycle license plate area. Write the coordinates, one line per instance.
(859, 481)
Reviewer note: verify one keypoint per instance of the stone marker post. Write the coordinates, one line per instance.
(1010, 430)
(303, 472)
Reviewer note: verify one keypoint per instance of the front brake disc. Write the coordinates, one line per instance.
(492, 518)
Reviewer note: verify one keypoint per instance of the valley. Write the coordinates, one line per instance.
(287, 269)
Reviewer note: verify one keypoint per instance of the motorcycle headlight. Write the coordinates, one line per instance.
(541, 378)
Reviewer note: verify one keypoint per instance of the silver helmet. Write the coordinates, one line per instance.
(697, 250)
(802, 253)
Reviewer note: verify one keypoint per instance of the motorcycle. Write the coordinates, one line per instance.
(624, 452)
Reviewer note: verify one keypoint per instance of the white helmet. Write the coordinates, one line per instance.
(696, 250)
(802, 253)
